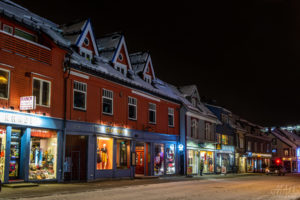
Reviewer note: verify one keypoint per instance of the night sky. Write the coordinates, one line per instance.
(243, 54)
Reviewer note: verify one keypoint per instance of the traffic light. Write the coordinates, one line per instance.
(277, 161)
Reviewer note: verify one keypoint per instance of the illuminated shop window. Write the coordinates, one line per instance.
(208, 161)
(123, 154)
(104, 153)
(43, 154)
(159, 160)
(4, 83)
(41, 90)
(219, 138)
(170, 159)
(2, 152)
(224, 139)
(286, 152)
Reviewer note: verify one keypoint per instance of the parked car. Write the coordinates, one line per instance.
(275, 169)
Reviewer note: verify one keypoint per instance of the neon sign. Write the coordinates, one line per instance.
(298, 156)
(180, 147)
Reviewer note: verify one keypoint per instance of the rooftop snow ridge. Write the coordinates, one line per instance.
(14, 4)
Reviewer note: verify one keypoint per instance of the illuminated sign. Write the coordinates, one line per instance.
(14, 118)
(28, 103)
(112, 130)
(298, 155)
(250, 154)
(180, 147)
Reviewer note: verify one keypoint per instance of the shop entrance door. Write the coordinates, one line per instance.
(15, 147)
(140, 158)
(75, 158)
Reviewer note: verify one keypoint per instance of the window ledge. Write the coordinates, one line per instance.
(153, 123)
(108, 114)
(132, 119)
(79, 109)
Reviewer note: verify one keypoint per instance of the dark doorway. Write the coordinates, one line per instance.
(143, 156)
(75, 158)
(287, 166)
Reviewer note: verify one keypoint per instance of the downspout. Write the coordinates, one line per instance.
(66, 77)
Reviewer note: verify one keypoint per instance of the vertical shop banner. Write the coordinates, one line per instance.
(28, 103)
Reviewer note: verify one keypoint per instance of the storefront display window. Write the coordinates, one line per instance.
(123, 154)
(207, 157)
(225, 162)
(170, 159)
(104, 153)
(2, 152)
(43, 154)
(193, 162)
(159, 160)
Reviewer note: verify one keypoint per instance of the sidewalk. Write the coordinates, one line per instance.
(66, 188)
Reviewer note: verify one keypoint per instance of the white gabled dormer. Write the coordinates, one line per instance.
(81, 35)
(113, 49)
(148, 72)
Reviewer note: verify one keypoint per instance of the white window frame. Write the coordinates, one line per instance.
(132, 103)
(241, 142)
(86, 38)
(81, 91)
(41, 91)
(171, 113)
(249, 147)
(8, 88)
(194, 130)
(154, 110)
(12, 29)
(121, 66)
(111, 97)
(207, 131)
(86, 52)
(147, 78)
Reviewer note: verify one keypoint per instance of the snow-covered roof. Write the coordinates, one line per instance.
(138, 61)
(72, 31)
(107, 45)
(292, 136)
(23, 15)
(188, 90)
(279, 135)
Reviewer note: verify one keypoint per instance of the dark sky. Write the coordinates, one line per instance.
(243, 54)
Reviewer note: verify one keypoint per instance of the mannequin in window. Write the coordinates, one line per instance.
(104, 156)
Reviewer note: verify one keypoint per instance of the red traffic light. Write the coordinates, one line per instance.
(277, 161)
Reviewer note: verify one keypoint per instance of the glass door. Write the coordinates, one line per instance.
(15, 146)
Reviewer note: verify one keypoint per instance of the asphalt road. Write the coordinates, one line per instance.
(244, 188)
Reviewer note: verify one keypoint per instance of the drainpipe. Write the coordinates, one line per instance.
(66, 70)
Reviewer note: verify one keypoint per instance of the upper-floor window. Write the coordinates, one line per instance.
(107, 101)
(194, 101)
(7, 29)
(224, 118)
(4, 83)
(274, 141)
(79, 95)
(241, 142)
(147, 78)
(224, 139)
(152, 113)
(286, 152)
(171, 117)
(41, 90)
(25, 35)
(255, 146)
(194, 128)
(219, 138)
(268, 148)
(86, 41)
(132, 108)
(121, 68)
(87, 54)
(207, 131)
(274, 151)
(249, 146)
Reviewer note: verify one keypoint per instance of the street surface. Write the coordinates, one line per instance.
(175, 188)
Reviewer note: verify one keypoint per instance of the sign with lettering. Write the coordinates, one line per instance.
(28, 103)
(112, 130)
(14, 118)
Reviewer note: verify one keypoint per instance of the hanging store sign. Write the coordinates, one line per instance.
(28, 103)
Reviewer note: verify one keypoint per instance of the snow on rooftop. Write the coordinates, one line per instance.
(138, 61)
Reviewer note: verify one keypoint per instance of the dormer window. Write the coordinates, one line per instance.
(121, 68)
(120, 57)
(86, 41)
(7, 29)
(194, 102)
(147, 78)
(86, 54)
